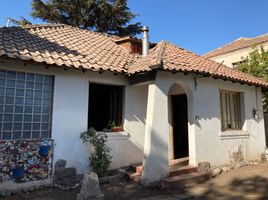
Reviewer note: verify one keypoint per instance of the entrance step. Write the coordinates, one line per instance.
(133, 172)
(181, 170)
(179, 162)
(184, 180)
(181, 174)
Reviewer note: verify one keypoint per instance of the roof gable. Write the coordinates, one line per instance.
(167, 56)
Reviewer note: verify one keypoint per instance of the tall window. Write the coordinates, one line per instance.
(25, 105)
(230, 110)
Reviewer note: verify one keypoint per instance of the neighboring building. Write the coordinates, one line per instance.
(237, 51)
(57, 81)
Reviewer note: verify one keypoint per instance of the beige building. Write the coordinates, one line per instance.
(234, 52)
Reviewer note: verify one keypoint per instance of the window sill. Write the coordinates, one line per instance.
(234, 134)
(116, 135)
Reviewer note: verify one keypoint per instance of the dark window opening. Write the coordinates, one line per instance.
(105, 106)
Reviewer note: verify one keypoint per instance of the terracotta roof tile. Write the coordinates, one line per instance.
(167, 56)
(71, 47)
(61, 44)
(238, 44)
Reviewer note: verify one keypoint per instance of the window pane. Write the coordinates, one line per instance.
(26, 135)
(20, 76)
(10, 91)
(230, 108)
(2, 74)
(2, 90)
(17, 126)
(44, 134)
(11, 74)
(6, 136)
(8, 118)
(16, 135)
(25, 102)
(36, 135)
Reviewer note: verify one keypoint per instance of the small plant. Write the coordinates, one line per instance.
(100, 158)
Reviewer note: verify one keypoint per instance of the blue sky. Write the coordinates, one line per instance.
(197, 25)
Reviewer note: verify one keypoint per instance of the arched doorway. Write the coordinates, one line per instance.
(179, 143)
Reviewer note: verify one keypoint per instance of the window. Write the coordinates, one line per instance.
(25, 105)
(230, 110)
(235, 64)
(105, 106)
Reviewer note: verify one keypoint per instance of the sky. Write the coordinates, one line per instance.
(197, 25)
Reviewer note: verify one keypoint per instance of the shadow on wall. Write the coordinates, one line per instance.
(124, 152)
(157, 161)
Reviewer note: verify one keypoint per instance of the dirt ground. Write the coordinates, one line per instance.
(249, 182)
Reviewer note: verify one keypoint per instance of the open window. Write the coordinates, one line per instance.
(105, 106)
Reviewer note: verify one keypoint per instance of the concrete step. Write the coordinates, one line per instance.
(178, 162)
(133, 172)
(183, 180)
(181, 170)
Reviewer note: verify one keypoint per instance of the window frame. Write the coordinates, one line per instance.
(237, 111)
(24, 105)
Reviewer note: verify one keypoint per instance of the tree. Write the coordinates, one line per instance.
(110, 16)
(256, 64)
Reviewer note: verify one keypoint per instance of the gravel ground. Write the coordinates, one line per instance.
(249, 182)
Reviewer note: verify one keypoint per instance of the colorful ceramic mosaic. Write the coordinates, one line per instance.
(25, 160)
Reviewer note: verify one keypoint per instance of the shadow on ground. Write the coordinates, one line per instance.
(255, 187)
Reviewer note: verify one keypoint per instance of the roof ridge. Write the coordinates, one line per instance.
(220, 47)
(160, 53)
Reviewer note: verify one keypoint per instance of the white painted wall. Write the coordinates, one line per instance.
(135, 112)
(206, 140)
(70, 115)
(211, 143)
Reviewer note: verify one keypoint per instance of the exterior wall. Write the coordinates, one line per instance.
(135, 113)
(236, 56)
(70, 115)
(207, 142)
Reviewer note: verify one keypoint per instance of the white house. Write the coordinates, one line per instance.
(57, 81)
(237, 52)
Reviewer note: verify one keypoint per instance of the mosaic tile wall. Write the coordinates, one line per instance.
(25, 160)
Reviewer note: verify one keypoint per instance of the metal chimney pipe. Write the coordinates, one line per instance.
(8, 22)
(145, 41)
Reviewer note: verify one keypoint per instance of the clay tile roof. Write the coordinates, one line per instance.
(240, 43)
(70, 47)
(167, 56)
(64, 45)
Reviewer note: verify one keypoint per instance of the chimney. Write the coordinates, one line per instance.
(8, 22)
(145, 41)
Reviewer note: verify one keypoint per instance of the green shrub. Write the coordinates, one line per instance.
(100, 158)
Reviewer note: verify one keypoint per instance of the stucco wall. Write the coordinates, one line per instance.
(206, 140)
(236, 56)
(70, 115)
(135, 112)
